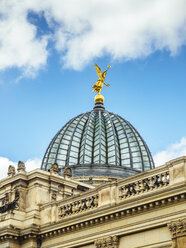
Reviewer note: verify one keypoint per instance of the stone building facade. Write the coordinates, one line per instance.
(45, 209)
(97, 188)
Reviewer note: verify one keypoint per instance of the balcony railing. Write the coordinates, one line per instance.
(144, 184)
(78, 205)
(129, 188)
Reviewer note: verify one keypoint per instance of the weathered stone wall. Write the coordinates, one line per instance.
(146, 210)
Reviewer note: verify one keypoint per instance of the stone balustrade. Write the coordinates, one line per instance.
(112, 193)
(78, 205)
(144, 184)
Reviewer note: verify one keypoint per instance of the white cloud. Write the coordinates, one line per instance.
(4, 163)
(173, 151)
(19, 46)
(85, 30)
(31, 164)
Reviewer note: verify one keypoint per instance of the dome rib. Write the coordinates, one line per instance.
(129, 125)
(119, 149)
(106, 139)
(146, 148)
(86, 128)
(70, 143)
(61, 139)
(99, 116)
(93, 138)
(97, 139)
(130, 153)
(114, 138)
(80, 142)
(50, 147)
(52, 142)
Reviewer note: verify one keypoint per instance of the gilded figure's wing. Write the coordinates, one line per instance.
(104, 74)
(98, 71)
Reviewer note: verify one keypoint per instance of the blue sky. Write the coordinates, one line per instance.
(47, 57)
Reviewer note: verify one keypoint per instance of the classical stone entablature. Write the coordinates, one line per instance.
(146, 210)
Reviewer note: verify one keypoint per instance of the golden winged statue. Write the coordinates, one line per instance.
(99, 84)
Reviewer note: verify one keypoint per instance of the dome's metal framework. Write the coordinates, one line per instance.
(98, 139)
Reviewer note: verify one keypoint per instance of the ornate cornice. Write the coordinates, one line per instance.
(107, 242)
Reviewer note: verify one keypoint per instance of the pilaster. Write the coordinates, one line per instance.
(178, 232)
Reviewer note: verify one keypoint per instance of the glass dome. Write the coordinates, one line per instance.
(99, 143)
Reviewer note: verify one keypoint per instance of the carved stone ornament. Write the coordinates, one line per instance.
(67, 172)
(54, 168)
(108, 242)
(177, 228)
(54, 196)
(21, 167)
(11, 171)
(10, 206)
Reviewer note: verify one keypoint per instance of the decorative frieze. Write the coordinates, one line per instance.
(107, 242)
(177, 228)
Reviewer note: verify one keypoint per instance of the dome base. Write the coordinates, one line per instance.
(95, 170)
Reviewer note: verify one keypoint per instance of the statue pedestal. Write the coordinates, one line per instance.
(99, 98)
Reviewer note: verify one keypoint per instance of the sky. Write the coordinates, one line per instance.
(47, 54)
